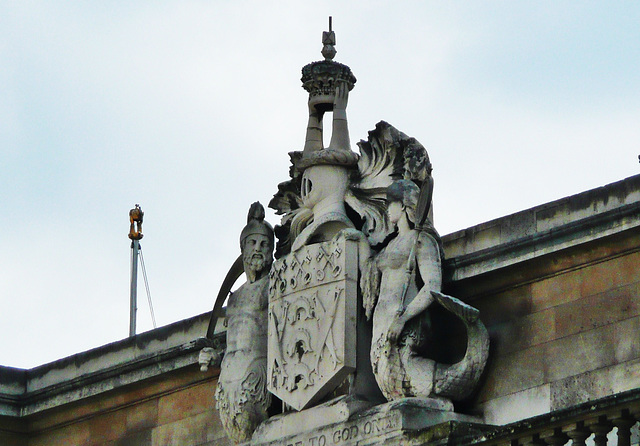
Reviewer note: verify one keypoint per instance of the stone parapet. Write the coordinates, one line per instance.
(586, 420)
(107, 368)
(543, 230)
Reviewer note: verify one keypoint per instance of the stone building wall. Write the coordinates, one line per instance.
(563, 340)
(142, 391)
(557, 287)
(174, 410)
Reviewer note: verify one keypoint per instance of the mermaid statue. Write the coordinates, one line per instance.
(400, 283)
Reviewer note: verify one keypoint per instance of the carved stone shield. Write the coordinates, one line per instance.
(312, 321)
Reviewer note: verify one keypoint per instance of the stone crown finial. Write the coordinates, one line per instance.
(320, 78)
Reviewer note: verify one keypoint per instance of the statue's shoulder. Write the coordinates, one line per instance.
(429, 245)
(250, 295)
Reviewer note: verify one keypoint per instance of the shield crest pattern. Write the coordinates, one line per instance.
(312, 321)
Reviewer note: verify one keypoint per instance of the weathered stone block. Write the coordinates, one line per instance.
(484, 236)
(578, 353)
(516, 226)
(595, 384)
(142, 438)
(505, 306)
(187, 402)
(513, 373)
(600, 277)
(194, 430)
(626, 336)
(73, 434)
(625, 376)
(517, 406)
(108, 426)
(522, 333)
(597, 310)
(142, 416)
(578, 389)
(555, 290)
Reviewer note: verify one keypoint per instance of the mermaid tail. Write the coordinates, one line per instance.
(457, 381)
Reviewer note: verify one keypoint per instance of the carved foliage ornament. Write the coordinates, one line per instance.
(386, 155)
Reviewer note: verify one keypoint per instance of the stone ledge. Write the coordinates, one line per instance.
(104, 369)
(612, 405)
(544, 229)
(13, 383)
(109, 379)
(545, 242)
(410, 421)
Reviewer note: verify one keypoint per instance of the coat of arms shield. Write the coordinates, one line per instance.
(312, 321)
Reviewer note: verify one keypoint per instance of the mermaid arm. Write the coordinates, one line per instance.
(427, 257)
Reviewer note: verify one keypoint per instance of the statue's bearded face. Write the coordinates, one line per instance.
(256, 252)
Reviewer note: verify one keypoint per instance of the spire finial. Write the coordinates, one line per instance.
(329, 40)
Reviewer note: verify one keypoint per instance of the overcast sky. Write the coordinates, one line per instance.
(189, 108)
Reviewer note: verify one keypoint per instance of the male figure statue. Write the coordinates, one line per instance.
(242, 396)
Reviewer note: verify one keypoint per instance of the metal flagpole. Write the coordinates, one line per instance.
(133, 301)
(135, 234)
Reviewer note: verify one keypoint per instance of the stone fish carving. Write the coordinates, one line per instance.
(400, 283)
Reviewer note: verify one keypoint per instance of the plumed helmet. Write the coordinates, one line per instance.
(256, 224)
(405, 192)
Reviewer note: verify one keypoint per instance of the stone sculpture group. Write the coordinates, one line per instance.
(348, 307)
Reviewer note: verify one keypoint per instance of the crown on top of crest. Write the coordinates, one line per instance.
(321, 78)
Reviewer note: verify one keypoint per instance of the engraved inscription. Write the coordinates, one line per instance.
(348, 434)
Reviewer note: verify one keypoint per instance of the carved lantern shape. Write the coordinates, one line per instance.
(312, 321)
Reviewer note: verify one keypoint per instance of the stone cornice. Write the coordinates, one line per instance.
(26, 392)
(532, 234)
(109, 378)
(545, 242)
